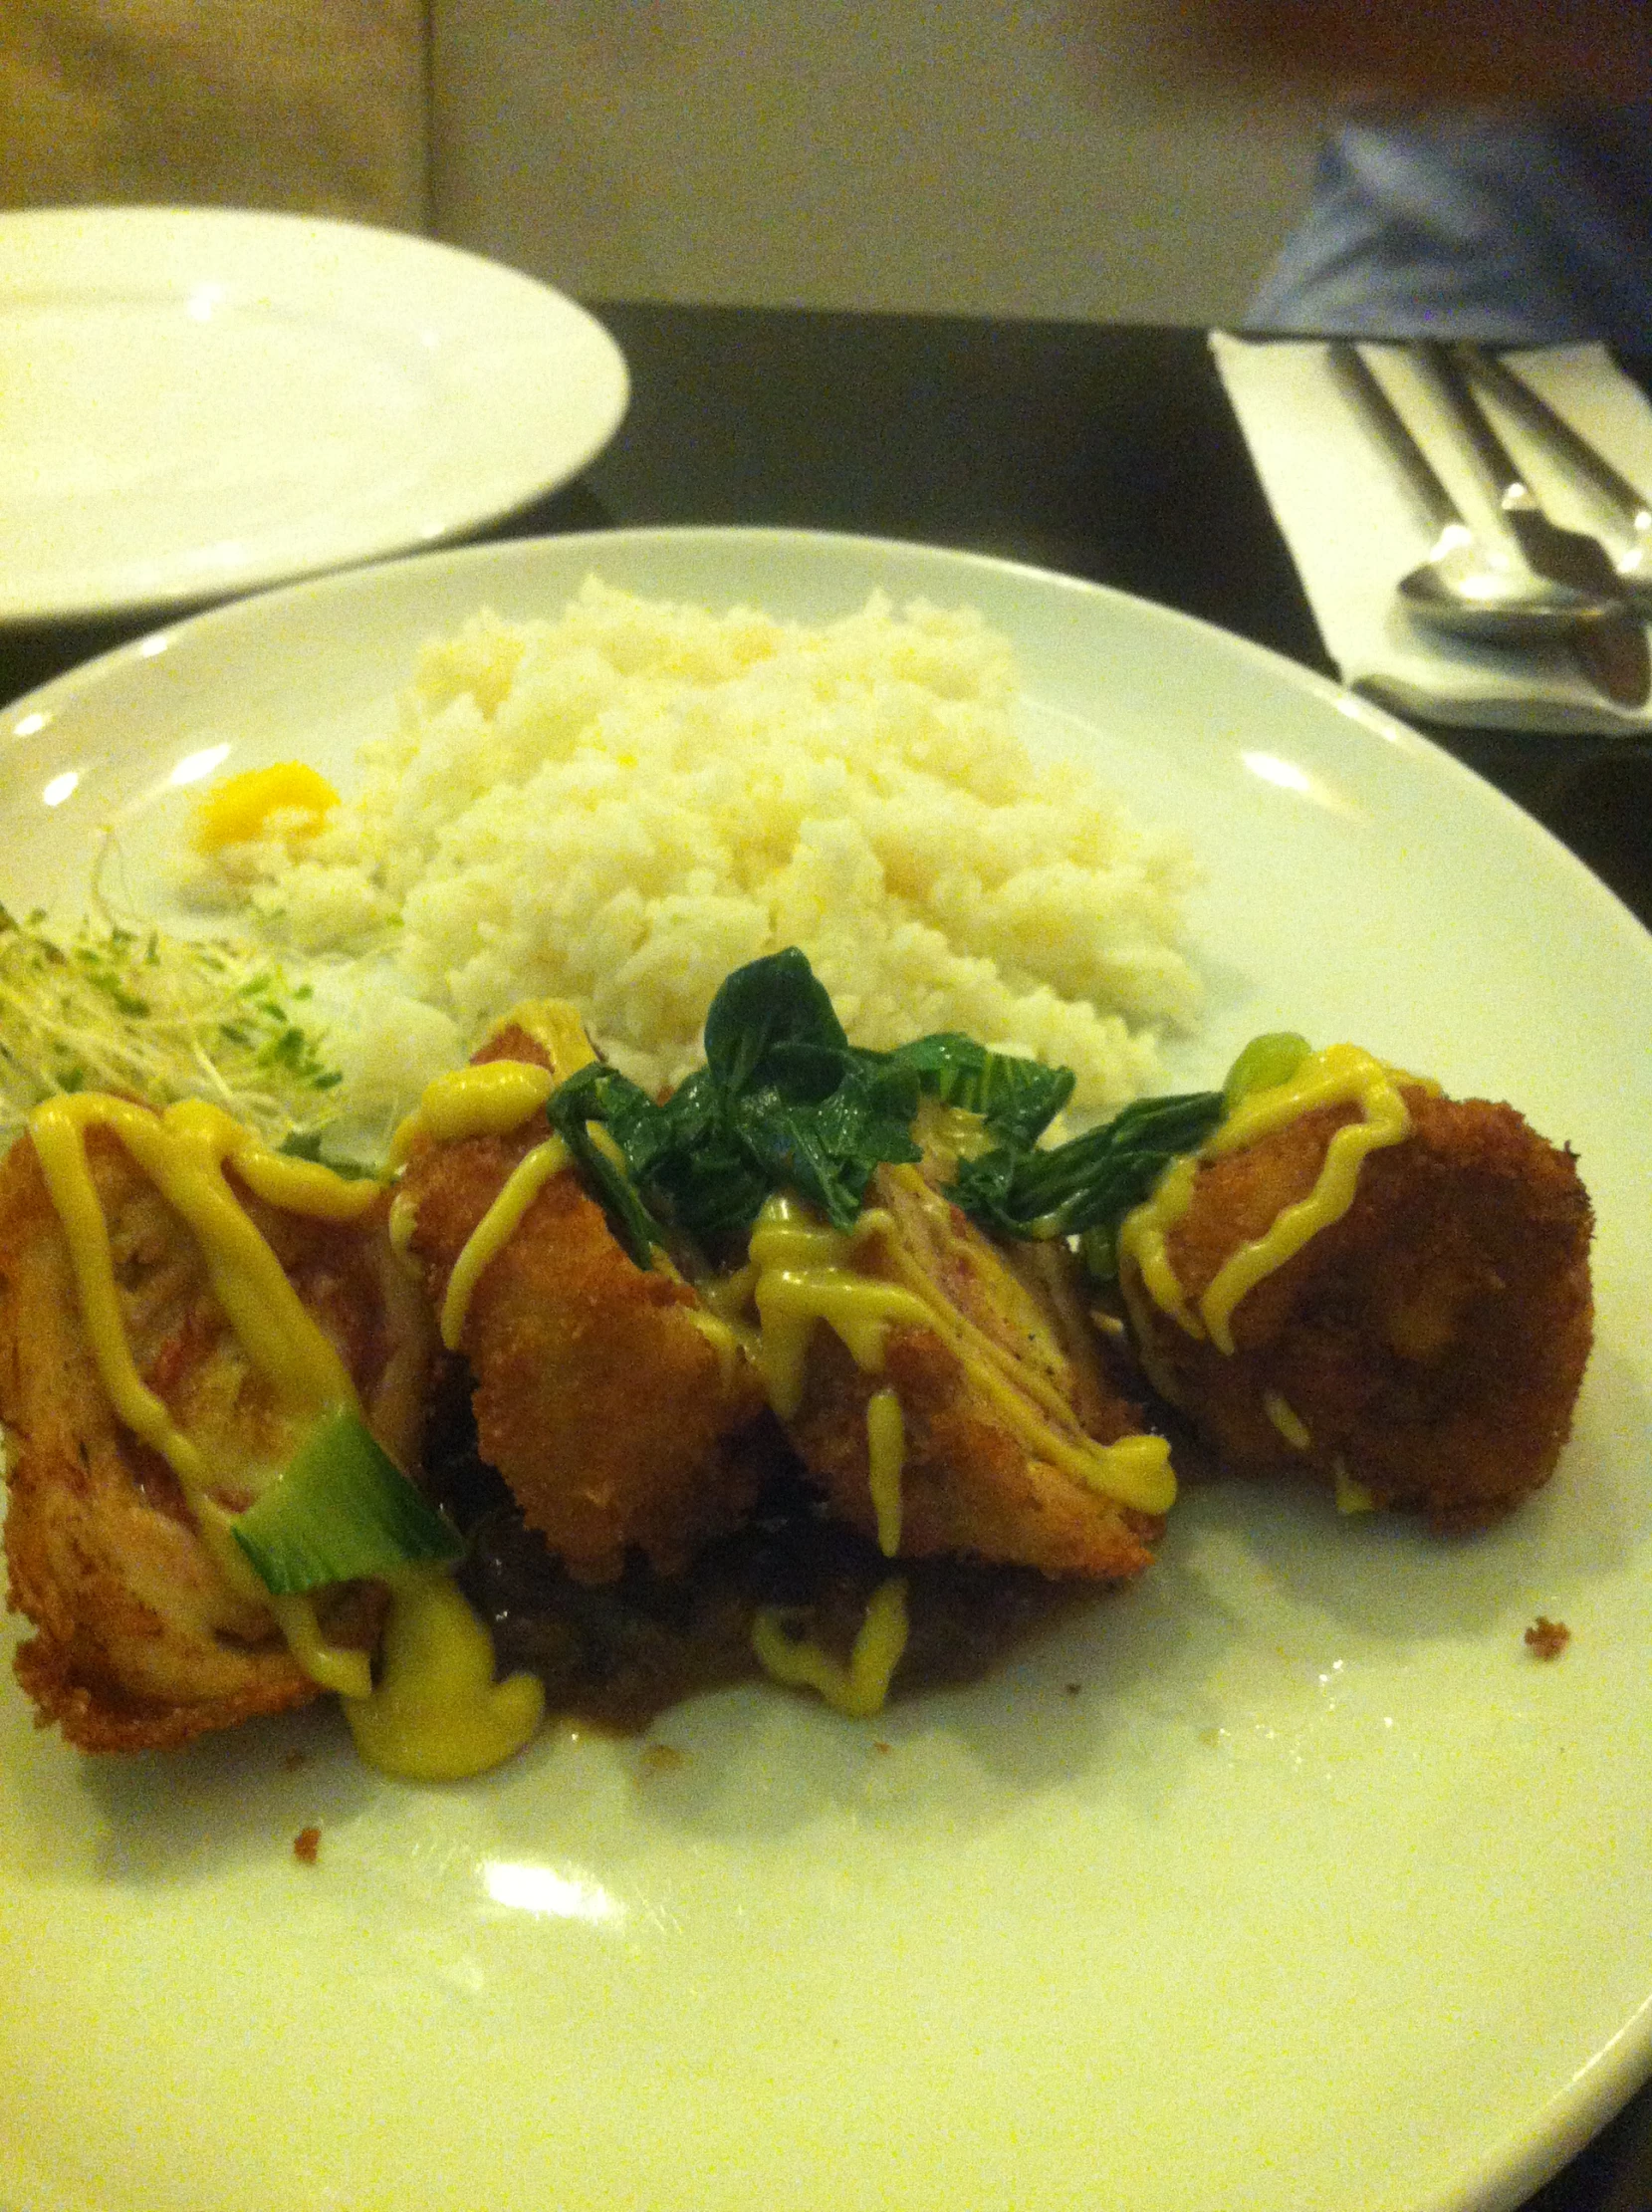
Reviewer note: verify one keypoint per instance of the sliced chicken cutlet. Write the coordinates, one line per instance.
(607, 1396)
(1006, 1445)
(142, 1642)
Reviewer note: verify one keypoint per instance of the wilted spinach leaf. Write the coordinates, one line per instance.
(786, 1101)
(1090, 1184)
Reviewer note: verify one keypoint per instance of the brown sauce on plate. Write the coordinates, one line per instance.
(621, 1653)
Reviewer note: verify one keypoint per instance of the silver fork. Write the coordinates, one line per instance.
(1568, 557)
(1611, 645)
(1627, 505)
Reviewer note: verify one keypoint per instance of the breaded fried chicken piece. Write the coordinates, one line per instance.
(1002, 1402)
(140, 1641)
(603, 1393)
(1427, 1348)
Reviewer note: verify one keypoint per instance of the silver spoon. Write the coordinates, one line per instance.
(1462, 586)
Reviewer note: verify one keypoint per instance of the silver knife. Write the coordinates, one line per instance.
(1612, 649)
(1628, 505)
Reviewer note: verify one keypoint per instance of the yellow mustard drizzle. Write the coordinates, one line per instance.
(437, 1713)
(556, 1027)
(1289, 1424)
(885, 1461)
(297, 1186)
(1144, 1237)
(805, 1273)
(723, 1338)
(495, 1230)
(1341, 1075)
(403, 1221)
(857, 1689)
(184, 1154)
(335, 1667)
(490, 1099)
(801, 1272)
(1351, 1496)
(1135, 1470)
(729, 1296)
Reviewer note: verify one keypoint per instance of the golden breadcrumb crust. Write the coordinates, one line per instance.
(599, 1396)
(1431, 1343)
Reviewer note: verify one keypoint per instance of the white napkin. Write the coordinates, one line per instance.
(1354, 527)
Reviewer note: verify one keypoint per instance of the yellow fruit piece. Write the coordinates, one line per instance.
(237, 810)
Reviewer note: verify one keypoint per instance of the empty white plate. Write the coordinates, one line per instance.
(194, 403)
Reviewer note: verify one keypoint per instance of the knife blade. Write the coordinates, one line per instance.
(1610, 650)
(1628, 505)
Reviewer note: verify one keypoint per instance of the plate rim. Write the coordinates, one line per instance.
(1366, 715)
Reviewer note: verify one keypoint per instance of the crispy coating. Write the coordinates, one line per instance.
(600, 1394)
(973, 1479)
(141, 1643)
(1431, 1343)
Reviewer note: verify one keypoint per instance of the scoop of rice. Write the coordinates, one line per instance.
(619, 806)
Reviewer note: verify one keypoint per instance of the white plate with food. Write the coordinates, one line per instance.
(1291, 1877)
(200, 402)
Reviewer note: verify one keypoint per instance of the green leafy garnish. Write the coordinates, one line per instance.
(786, 1103)
(1087, 1186)
(598, 1096)
(1015, 1098)
(340, 1510)
(108, 1007)
(784, 1100)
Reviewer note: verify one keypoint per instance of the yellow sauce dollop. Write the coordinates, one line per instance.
(490, 1099)
(1286, 1420)
(885, 1462)
(1351, 1496)
(495, 1230)
(331, 1665)
(437, 1713)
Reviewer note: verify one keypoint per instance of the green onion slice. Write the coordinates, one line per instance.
(340, 1510)
(1265, 1062)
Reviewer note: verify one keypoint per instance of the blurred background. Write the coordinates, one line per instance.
(1020, 158)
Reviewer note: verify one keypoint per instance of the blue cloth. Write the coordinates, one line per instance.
(1531, 229)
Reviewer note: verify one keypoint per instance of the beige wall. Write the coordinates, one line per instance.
(312, 104)
(978, 155)
(996, 156)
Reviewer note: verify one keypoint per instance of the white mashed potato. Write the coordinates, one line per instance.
(619, 806)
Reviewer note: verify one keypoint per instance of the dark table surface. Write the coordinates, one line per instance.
(1108, 454)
